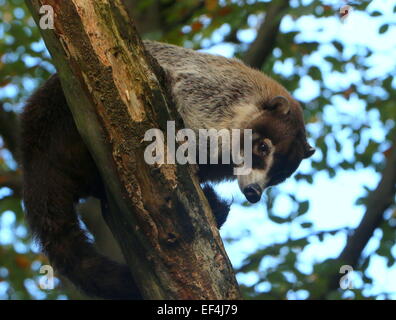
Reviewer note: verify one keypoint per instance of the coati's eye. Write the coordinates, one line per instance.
(264, 148)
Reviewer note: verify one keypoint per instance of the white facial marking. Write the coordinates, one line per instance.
(259, 176)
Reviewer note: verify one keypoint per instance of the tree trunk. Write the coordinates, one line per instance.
(158, 214)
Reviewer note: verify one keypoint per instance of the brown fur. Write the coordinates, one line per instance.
(210, 92)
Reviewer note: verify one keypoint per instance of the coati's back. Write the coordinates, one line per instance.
(203, 83)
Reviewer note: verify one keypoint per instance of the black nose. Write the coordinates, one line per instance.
(253, 192)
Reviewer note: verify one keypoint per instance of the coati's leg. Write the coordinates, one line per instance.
(220, 208)
(58, 170)
(216, 173)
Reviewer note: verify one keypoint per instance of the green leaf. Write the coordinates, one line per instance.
(303, 207)
(376, 14)
(383, 28)
(278, 219)
(306, 225)
(315, 73)
(338, 45)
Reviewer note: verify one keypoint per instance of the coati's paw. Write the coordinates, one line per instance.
(220, 208)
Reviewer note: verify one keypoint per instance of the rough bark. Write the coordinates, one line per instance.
(159, 215)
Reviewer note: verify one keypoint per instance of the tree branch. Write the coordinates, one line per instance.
(152, 18)
(378, 202)
(158, 214)
(265, 42)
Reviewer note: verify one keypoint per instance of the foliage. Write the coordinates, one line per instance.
(339, 75)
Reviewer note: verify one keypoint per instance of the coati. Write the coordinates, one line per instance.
(210, 92)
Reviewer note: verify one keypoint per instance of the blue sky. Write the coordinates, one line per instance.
(332, 200)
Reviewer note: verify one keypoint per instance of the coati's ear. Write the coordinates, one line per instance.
(309, 151)
(280, 104)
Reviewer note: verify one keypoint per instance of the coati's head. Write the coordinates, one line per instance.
(279, 141)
